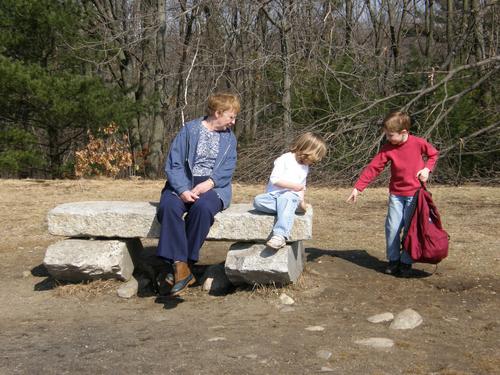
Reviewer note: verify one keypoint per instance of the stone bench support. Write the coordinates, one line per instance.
(76, 259)
(250, 263)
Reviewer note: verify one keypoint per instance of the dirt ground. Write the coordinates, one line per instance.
(51, 328)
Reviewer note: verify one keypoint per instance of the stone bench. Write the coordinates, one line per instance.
(104, 235)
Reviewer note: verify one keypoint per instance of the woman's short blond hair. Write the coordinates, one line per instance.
(223, 101)
(308, 147)
(397, 122)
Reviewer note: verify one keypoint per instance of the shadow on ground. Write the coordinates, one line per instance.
(47, 283)
(169, 302)
(360, 258)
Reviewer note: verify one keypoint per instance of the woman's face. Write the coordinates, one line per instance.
(225, 120)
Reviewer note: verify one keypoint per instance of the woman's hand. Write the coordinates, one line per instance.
(188, 196)
(203, 187)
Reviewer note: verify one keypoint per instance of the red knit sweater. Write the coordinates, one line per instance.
(406, 160)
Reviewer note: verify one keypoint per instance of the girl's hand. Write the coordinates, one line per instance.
(354, 196)
(298, 187)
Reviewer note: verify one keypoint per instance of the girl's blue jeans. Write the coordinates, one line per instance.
(397, 215)
(281, 203)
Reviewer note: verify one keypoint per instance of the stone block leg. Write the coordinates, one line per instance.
(250, 263)
(77, 259)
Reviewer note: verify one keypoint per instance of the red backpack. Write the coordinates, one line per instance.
(424, 238)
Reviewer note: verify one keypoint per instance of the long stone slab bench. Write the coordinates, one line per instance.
(100, 222)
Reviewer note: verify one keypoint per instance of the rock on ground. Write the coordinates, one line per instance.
(380, 318)
(376, 342)
(129, 289)
(215, 280)
(406, 319)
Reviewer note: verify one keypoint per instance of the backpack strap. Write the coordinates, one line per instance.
(412, 208)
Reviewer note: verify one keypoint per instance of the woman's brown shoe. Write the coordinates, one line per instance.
(183, 278)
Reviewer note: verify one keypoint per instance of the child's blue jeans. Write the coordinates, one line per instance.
(281, 203)
(397, 214)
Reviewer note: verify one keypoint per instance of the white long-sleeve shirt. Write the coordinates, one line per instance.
(287, 168)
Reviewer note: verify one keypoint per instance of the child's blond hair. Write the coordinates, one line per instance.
(223, 101)
(397, 122)
(308, 147)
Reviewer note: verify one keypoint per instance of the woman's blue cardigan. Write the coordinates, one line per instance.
(182, 155)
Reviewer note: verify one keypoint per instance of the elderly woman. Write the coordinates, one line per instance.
(199, 169)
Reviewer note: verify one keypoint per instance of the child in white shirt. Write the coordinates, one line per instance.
(285, 190)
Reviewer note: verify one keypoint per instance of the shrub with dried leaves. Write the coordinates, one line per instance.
(105, 155)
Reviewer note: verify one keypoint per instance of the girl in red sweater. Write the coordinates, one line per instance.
(412, 159)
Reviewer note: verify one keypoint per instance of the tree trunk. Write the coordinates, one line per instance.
(348, 22)
(429, 28)
(183, 62)
(480, 49)
(285, 58)
(450, 15)
(155, 156)
(464, 26)
(377, 31)
(392, 33)
(54, 154)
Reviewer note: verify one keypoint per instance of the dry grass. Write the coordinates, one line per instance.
(86, 289)
(266, 291)
(271, 291)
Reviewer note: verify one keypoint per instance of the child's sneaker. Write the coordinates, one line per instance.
(392, 268)
(301, 208)
(276, 242)
(405, 270)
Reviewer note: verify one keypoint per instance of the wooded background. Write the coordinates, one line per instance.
(71, 67)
